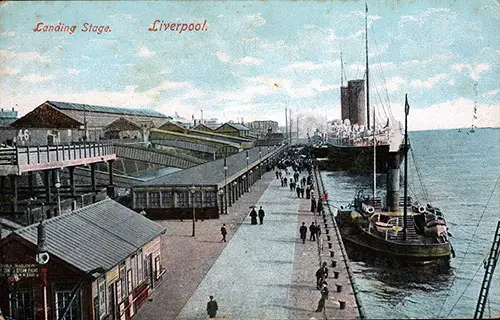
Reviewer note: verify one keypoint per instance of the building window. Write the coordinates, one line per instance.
(157, 267)
(166, 199)
(23, 305)
(102, 298)
(182, 199)
(196, 199)
(154, 199)
(140, 199)
(63, 297)
(130, 284)
(139, 267)
(123, 282)
(210, 199)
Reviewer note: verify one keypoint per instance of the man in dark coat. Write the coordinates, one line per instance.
(261, 215)
(319, 208)
(223, 231)
(212, 307)
(312, 230)
(298, 191)
(324, 297)
(303, 232)
(253, 215)
(321, 275)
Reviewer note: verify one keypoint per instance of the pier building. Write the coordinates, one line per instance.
(100, 261)
(208, 188)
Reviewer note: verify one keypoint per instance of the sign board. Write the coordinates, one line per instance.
(20, 270)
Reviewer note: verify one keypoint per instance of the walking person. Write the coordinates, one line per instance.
(212, 308)
(321, 275)
(223, 231)
(324, 297)
(313, 204)
(312, 230)
(261, 215)
(253, 215)
(303, 232)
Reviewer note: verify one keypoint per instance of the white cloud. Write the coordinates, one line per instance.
(451, 82)
(123, 17)
(303, 65)
(474, 69)
(224, 57)
(23, 56)
(250, 61)
(7, 34)
(8, 71)
(430, 82)
(73, 71)
(37, 78)
(145, 53)
(394, 83)
(257, 20)
(437, 116)
(492, 93)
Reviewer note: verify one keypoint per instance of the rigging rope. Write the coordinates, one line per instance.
(383, 77)
(419, 176)
(467, 251)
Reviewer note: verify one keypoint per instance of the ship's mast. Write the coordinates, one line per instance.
(374, 162)
(405, 209)
(367, 71)
(341, 71)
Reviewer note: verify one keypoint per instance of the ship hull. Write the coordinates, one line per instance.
(357, 159)
(354, 232)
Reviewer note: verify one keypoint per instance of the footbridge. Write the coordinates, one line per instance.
(161, 157)
(216, 147)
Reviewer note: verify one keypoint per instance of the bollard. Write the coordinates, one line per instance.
(327, 231)
(342, 304)
(328, 238)
(339, 287)
(336, 274)
(334, 263)
(326, 225)
(324, 220)
(332, 253)
(329, 245)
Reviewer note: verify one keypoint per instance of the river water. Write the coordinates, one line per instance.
(460, 171)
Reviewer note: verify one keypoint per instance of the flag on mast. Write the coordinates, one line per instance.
(407, 106)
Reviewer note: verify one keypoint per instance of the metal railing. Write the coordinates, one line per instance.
(44, 154)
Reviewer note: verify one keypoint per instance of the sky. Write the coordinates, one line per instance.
(252, 59)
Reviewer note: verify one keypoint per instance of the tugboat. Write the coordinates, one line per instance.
(417, 234)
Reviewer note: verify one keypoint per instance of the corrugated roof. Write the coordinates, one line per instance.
(211, 173)
(8, 114)
(237, 126)
(115, 110)
(100, 235)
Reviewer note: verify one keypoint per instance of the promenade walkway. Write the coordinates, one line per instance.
(262, 272)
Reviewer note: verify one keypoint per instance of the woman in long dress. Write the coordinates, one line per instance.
(253, 215)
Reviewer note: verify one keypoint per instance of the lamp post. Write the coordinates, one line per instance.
(42, 257)
(221, 198)
(234, 191)
(58, 186)
(193, 190)
(225, 186)
(246, 173)
(260, 159)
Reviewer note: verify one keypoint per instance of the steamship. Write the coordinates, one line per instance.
(350, 143)
(416, 233)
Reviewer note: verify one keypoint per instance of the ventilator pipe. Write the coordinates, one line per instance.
(367, 208)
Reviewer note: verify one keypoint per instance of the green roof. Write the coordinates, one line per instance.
(114, 110)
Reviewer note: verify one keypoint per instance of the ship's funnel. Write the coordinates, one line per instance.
(352, 102)
(393, 181)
